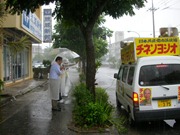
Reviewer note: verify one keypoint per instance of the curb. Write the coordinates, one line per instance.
(79, 130)
(9, 97)
(28, 89)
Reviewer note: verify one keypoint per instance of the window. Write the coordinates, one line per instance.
(124, 75)
(15, 67)
(120, 73)
(163, 74)
(130, 75)
(7, 64)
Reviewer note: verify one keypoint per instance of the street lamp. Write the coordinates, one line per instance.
(134, 32)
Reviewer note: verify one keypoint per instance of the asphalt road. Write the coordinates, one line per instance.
(31, 114)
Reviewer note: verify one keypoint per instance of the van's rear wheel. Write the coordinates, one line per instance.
(177, 120)
(131, 122)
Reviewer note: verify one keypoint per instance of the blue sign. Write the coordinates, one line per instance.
(32, 24)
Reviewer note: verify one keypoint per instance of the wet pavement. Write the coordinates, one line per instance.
(28, 110)
(10, 93)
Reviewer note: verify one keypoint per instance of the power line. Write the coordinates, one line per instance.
(164, 3)
(167, 4)
(174, 8)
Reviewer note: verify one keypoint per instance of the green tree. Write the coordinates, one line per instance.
(72, 38)
(84, 14)
(48, 55)
(3, 13)
(69, 37)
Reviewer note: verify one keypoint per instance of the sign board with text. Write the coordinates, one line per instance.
(143, 47)
(32, 24)
(47, 25)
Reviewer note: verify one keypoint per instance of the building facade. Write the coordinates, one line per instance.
(36, 50)
(114, 48)
(119, 35)
(16, 68)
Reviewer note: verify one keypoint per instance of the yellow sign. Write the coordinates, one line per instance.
(128, 54)
(157, 46)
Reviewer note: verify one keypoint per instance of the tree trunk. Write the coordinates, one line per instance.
(90, 67)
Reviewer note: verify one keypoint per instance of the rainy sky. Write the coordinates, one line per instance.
(166, 14)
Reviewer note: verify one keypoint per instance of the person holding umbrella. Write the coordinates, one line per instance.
(65, 84)
(54, 82)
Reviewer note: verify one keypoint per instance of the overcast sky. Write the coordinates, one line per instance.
(167, 14)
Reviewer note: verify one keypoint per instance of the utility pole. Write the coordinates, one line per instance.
(153, 9)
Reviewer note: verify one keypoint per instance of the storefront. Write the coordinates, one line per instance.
(16, 68)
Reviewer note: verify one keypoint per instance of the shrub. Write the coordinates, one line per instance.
(82, 77)
(1, 85)
(46, 63)
(88, 113)
(101, 95)
(82, 95)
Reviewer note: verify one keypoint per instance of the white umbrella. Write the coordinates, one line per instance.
(67, 54)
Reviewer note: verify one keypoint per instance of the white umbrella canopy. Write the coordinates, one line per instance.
(66, 54)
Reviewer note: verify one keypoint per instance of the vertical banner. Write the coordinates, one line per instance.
(47, 25)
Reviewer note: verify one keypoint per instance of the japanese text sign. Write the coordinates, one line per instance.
(47, 26)
(127, 54)
(32, 24)
(157, 46)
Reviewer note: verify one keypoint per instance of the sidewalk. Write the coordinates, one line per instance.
(19, 89)
(12, 92)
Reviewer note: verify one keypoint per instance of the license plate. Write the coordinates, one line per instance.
(164, 103)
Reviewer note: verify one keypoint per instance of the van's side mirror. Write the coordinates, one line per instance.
(116, 75)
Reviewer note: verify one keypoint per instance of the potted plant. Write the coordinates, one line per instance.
(1, 85)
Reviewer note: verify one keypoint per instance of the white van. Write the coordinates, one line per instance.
(149, 89)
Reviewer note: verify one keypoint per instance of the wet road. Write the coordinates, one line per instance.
(168, 127)
(34, 116)
(31, 114)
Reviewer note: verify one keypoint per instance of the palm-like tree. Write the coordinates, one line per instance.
(2, 17)
(3, 13)
(19, 45)
(14, 46)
